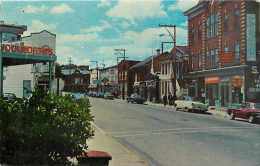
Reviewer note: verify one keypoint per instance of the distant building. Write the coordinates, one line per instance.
(109, 79)
(125, 78)
(224, 44)
(146, 77)
(94, 80)
(76, 78)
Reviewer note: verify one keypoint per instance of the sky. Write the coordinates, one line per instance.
(90, 30)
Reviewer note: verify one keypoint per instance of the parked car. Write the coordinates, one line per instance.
(248, 111)
(78, 96)
(100, 95)
(189, 105)
(135, 98)
(109, 96)
(9, 96)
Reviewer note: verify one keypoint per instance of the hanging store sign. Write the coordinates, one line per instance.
(212, 80)
(26, 49)
(226, 57)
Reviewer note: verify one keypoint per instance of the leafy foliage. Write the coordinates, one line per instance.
(43, 130)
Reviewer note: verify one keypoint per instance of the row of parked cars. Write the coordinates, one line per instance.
(106, 95)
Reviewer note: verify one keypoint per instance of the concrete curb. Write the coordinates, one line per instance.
(121, 155)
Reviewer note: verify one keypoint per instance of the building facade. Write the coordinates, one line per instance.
(94, 80)
(76, 78)
(224, 45)
(146, 78)
(174, 64)
(18, 64)
(125, 78)
(109, 80)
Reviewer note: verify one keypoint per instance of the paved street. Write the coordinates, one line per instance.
(167, 138)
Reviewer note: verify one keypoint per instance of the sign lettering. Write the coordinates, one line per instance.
(27, 49)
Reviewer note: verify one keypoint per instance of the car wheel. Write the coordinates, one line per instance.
(251, 119)
(186, 109)
(232, 116)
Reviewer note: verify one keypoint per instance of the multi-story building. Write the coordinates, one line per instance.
(177, 59)
(76, 78)
(109, 79)
(125, 78)
(146, 77)
(224, 44)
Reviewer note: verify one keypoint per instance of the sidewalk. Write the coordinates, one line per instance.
(121, 155)
(212, 110)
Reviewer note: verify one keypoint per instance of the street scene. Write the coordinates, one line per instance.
(130, 82)
(164, 137)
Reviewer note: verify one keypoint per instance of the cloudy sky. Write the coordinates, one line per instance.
(91, 30)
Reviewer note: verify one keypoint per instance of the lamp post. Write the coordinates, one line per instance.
(173, 58)
(122, 50)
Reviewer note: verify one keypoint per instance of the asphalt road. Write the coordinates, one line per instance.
(169, 138)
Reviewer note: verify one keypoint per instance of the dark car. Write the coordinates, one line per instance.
(9, 96)
(247, 111)
(109, 96)
(134, 98)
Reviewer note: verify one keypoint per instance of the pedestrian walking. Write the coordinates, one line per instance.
(164, 100)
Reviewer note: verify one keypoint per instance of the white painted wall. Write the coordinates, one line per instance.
(14, 76)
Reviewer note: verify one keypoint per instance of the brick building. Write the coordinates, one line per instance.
(76, 78)
(224, 44)
(146, 77)
(125, 78)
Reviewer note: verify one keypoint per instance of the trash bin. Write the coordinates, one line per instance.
(94, 158)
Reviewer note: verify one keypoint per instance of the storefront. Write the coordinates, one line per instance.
(221, 86)
(15, 52)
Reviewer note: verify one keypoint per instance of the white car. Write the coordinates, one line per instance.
(187, 104)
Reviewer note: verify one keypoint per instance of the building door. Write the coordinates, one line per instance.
(27, 90)
(224, 93)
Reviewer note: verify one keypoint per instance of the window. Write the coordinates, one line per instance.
(9, 37)
(77, 81)
(237, 20)
(226, 18)
(237, 51)
(212, 25)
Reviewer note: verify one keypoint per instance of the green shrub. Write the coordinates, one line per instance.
(43, 130)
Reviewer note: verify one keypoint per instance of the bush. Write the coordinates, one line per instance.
(43, 130)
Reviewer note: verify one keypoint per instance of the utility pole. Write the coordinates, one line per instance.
(122, 50)
(173, 58)
(70, 73)
(162, 44)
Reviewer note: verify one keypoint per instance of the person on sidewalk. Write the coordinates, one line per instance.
(170, 97)
(164, 100)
